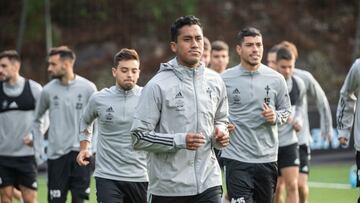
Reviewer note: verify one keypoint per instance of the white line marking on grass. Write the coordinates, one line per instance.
(330, 185)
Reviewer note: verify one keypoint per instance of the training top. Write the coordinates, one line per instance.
(315, 91)
(255, 140)
(115, 157)
(16, 116)
(65, 104)
(176, 101)
(297, 92)
(349, 105)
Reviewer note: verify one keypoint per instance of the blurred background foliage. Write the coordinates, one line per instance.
(325, 32)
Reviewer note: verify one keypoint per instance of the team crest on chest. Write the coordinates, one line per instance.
(79, 103)
(267, 98)
(236, 96)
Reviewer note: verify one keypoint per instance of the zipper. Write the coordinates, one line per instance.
(197, 127)
(124, 106)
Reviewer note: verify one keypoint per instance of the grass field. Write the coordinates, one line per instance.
(324, 174)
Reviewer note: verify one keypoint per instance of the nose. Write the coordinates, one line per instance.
(194, 43)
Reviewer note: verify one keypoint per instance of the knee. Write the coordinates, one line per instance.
(292, 186)
(29, 198)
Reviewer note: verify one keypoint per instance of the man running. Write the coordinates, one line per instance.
(65, 97)
(181, 116)
(120, 172)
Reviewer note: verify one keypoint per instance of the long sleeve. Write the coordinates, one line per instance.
(87, 120)
(39, 126)
(323, 107)
(222, 114)
(283, 105)
(347, 102)
(147, 116)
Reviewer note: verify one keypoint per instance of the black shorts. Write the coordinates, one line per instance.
(16, 171)
(211, 195)
(288, 156)
(108, 191)
(65, 174)
(250, 182)
(358, 168)
(304, 152)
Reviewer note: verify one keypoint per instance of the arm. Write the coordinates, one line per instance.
(299, 108)
(282, 105)
(38, 129)
(323, 107)
(86, 131)
(221, 120)
(146, 119)
(347, 102)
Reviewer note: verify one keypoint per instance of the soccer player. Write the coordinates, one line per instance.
(219, 56)
(288, 155)
(314, 90)
(65, 97)
(347, 109)
(182, 114)
(258, 103)
(18, 97)
(205, 58)
(120, 172)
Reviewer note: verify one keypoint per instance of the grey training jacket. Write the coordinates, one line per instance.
(65, 104)
(349, 105)
(16, 124)
(255, 140)
(115, 157)
(314, 90)
(287, 133)
(178, 100)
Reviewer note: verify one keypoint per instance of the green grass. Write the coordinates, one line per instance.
(331, 174)
(319, 173)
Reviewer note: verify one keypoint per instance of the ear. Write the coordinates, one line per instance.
(66, 64)
(173, 46)
(238, 49)
(113, 70)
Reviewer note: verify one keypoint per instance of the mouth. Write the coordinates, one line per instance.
(194, 52)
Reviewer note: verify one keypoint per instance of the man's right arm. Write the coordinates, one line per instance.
(146, 119)
(42, 106)
(283, 105)
(322, 105)
(347, 103)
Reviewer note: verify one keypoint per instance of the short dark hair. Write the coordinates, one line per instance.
(64, 52)
(124, 55)
(12, 55)
(181, 22)
(284, 54)
(247, 32)
(291, 47)
(219, 46)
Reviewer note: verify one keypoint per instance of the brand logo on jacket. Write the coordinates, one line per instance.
(179, 101)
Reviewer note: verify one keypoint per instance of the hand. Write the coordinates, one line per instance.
(230, 127)
(194, 140)
(222, 138)
(296, 126)
(268, 114)
(343, 140)
(83, 158)
(28, 140)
